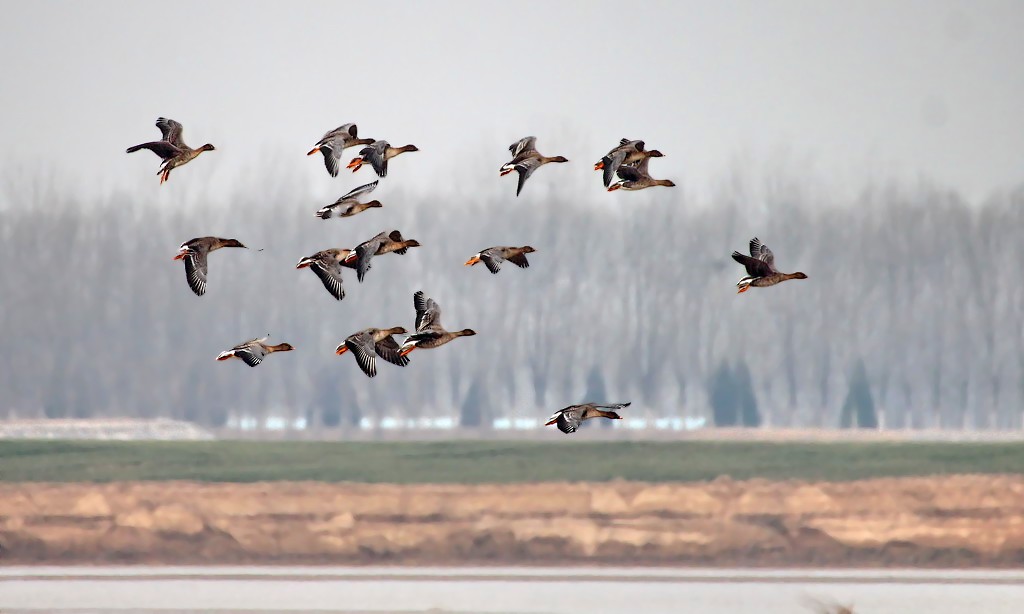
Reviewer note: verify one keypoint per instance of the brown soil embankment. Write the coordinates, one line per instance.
(948, 521)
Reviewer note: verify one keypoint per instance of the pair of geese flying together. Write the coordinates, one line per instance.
(629, 162)
(376, 153)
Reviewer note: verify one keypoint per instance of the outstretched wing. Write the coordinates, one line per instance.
(629, 173)
(568, 420)
(611, 163)
(363, 189)
(397, 237)
(361, 346)
(375, 155)
(519, 259)
(330, 276)
(761, 252)
(492, 260)
(428, 313)
(754, 266)
(365, 251)
(251, 352)
(195, 272)
(524, 144)
(388, 349)
(525, 168)
(161, 148)
(332, 156)
(250, 356)
(171, 131)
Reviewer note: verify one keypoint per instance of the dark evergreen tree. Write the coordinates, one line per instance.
(859, 407)
(722, 394)
(746, 400)
(474, 413)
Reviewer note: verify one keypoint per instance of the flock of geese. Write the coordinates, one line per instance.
(624, 167)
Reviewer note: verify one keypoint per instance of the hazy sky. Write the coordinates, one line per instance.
(847, 91)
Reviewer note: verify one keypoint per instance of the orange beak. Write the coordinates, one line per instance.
(341, 349)
(302, 265)
(505, 172)
(599, 166)
(743, 289)
(180, 256)
(351, 257)
(614, 187)
(404, 352)
(472, 261)
(551, 421)
(313, 151)
(355, 164)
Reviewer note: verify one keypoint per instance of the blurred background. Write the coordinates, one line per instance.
(876, 147)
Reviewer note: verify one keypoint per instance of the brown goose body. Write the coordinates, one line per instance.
(525, 160)
(568, 419)
(760, 266)
(194, 252)
(171, 148)
(492, 257)
(253, 352)
(429, 331)
(371, 342)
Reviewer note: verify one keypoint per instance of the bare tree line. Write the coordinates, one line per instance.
(912, 280)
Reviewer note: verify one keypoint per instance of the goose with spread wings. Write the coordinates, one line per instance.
(760, 265)
(349, 205)
(526, 159)
(171, 148)
(334, 142)
(253, 352)
(492, 257)
(568, 419)
(327, 265)
(194, 252)
(366, 344)
(429, 331)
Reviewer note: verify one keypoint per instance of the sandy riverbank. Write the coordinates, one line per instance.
(959, 521)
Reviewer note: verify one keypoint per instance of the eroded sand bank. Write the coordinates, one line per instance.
(957, 521)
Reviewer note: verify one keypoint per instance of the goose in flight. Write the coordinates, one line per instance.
(525, 160)
(568, 419)
(349, 205)
(429, 332)
(194, 252)
(253, 352)
(760, 265)
(492, 257)
(171, 149)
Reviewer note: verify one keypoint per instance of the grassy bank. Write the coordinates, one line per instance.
(481, 461)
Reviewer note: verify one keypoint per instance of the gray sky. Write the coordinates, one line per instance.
(845, 91)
